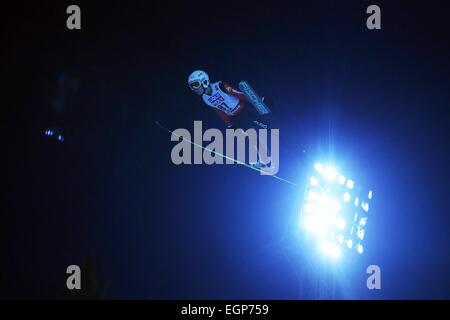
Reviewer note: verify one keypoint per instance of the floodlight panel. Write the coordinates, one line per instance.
(335, 210)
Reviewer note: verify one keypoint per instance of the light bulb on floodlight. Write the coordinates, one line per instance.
(318, 167)
(330, 173)
(363, 221)
(361, 234)
(365, 206)
(347, 197)
(349, 243)
(350, 184)
(360, 249)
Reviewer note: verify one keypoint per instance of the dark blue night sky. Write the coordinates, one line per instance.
(375, 103)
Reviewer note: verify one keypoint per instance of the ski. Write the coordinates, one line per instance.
(254, 98)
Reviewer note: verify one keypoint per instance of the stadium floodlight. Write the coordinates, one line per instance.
(329, 214)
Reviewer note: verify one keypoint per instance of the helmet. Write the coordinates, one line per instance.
(198, 79)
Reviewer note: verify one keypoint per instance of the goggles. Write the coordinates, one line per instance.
(194, 85)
